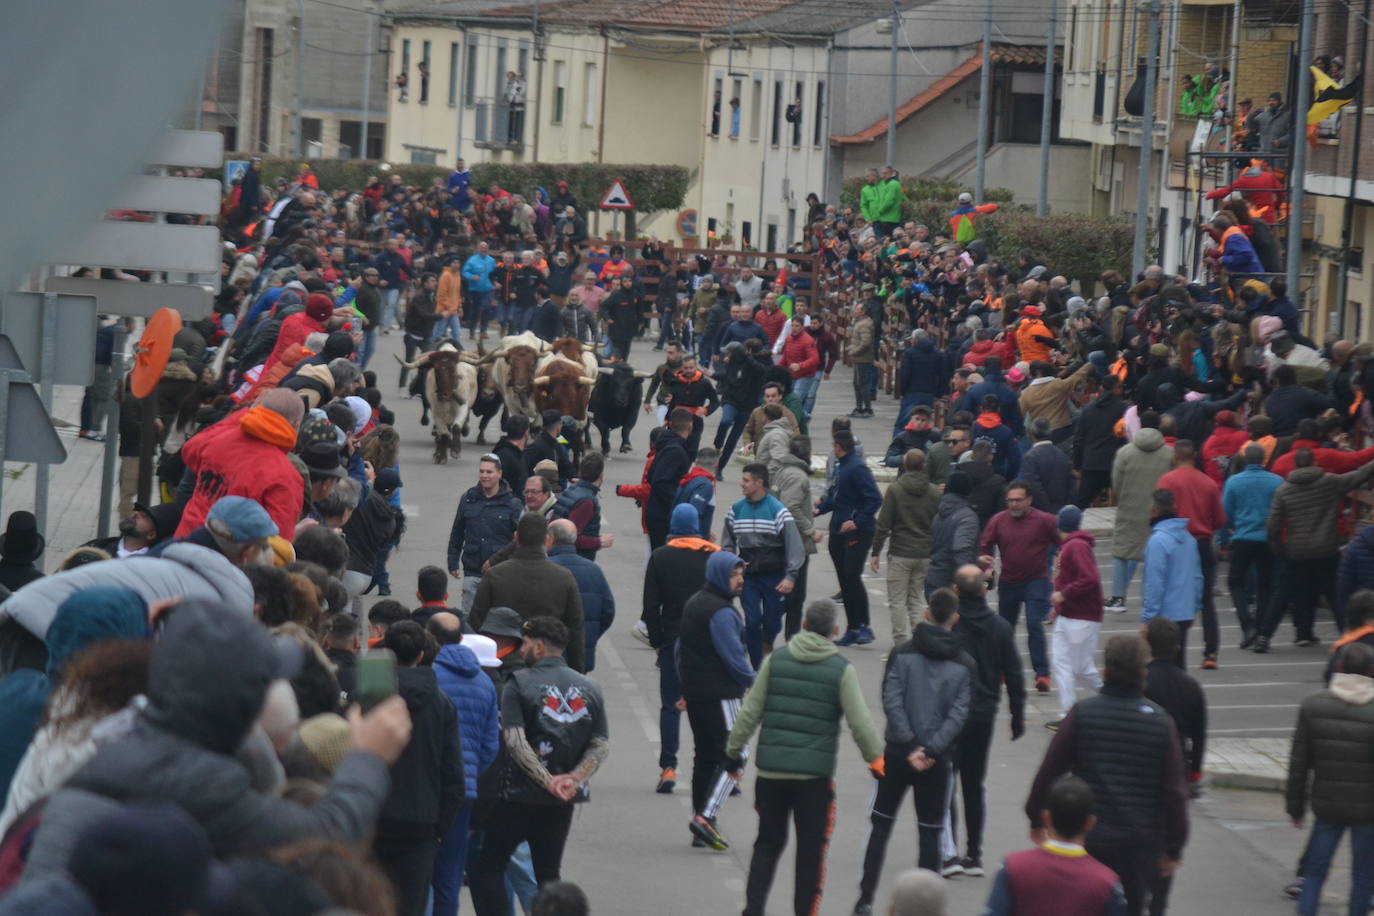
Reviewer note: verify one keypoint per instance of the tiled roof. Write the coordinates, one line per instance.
(1015, 55)
(690, 15)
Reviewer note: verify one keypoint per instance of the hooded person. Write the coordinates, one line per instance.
(89, 616)
(245, 454)
(20, 548)
(296, 328)
(1222, 446)
(953, 533)
(203, 702)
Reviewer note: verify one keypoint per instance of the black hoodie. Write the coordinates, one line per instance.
(988, 640)
(427, 781)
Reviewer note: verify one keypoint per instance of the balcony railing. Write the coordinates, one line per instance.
(499, 125)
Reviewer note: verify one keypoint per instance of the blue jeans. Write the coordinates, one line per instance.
(1321, 850)
(763, 608)
(669, 718)
(367, 347)
(390, 296)
(450, 863)
(1123, 571)
(805, 390)
(479, 310)
(732, 421)
(909, 400)
(520, 883)
(448, 326)
(520, 318)
(1035, 594)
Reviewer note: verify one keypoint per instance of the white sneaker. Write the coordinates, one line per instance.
(640, 631)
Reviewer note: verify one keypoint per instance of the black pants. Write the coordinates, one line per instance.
(1090, 486)
(409, 864)
(792, 605)
(1211, 636)
(1136, 864)
(413, 345)
(710, 721)
(1183, 627)
(1300, 582)
(1246, 555)
(930, 792)
(849, 552)
(811, 805)
(657, 529)
(971, 765)
(544, 827)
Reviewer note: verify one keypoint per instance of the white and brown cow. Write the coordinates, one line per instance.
(450, 390)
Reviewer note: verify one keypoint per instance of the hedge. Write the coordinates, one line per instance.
(651, 187)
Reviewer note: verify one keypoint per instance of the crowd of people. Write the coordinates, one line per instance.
(307, 769)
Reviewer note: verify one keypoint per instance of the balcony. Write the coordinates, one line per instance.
(498, 126)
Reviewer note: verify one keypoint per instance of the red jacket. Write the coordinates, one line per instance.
(1076, 576)
(1196, 498)
(639, 492)
(982, 349)
(294, 330)
(1220, 447)
(244, 455)
(800, 349)
(771, 324)
(1331, 460)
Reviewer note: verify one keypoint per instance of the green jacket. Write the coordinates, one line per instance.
(868, 201)
(889, 201)
(798, 697)
(1334, 746)
(907, 513)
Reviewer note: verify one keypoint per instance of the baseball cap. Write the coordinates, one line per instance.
(503, 621)
(240, 519)
(965, 197)
(319, 306)
(387, 482)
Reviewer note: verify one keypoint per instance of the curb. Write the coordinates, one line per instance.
(1233, 780)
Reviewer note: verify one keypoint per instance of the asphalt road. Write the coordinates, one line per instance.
(630, 847)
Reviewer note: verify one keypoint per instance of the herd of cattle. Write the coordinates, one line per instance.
(525, 375)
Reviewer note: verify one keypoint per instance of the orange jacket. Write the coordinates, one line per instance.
(448, 299)
(1031, 348)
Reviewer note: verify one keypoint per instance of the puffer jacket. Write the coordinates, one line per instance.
(598, 602)
(792, 486)
(1334, 743)
(202, 702)
(183, 570)
(927, 690)
(1304, 516)
(953, 538)
(1136, 470)
(481, 527)
(906, 516)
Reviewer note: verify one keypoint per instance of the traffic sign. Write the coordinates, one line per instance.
(687, 224)
(21, 320)
(141, 246)
(616, 197)
(233, 168)
(27, 433)
(139, 300)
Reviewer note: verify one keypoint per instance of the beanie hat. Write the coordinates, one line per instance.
(285, 402)
(319, 306)
(684, 520)
(327, 738)
(959, 484)
(1070, 518)
(1227, 418)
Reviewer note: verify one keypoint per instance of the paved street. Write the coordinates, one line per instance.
(629, 847)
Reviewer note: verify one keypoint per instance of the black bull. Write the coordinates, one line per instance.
(615, 403)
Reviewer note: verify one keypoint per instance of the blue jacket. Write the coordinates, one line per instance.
(1173, 573)
(457, 186)
(477, 272)
(741, 331)
(1357, 567)
(923, 370)
(1008, 405)
(852, 495)
(598, 602)
(474, 696)
(699, 492)
(1238, 255)
(1006, 452)
(1246, 498)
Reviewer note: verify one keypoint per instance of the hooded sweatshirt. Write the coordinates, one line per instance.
(245, 455)
(1076, 576)
(1173, 573)
(1006, 454)
(954, 539)
(927, 693)
(711, 658)
(989, 642)
(906, 516)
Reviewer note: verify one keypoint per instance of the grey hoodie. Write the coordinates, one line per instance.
(953, 538)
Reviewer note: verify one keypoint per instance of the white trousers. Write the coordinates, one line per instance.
(1071, 657)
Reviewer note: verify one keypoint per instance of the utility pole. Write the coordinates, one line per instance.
(892, 91)
(984, 91)
(1147, 144)
(367, 81)
(300, 78)
(1042, 205)
(1298, 143)
(1348, 216)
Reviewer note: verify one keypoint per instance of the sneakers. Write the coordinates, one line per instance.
(1248, 639)
(972, 866)
(1042, 683)
(1053, 724)
(1261, 644)
(1209, 662)
(1117, 605)
(1305, 642)
(838, 597)
(704, 829)
(951, 868)
(667, 780)
(865, 636)
(1293, 890)
(849, 638)
(640, 631)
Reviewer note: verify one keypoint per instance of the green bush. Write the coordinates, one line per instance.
(651, 187)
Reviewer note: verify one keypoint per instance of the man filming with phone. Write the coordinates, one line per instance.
(553, 725)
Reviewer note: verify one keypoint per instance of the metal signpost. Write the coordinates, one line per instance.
(26, 431)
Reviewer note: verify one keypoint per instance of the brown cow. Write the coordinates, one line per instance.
(565, 389)
(450, 389)
(513, 371)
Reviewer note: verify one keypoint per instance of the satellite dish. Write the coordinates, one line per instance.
(152, 350)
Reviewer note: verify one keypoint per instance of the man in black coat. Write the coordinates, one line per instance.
(1047, 470)
(426, 781)
(671, 464)
(1095, 442)
(544, 446)
(510, 448)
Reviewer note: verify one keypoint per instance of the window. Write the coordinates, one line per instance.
(711, 226)
(500, 70)
(736, 100)
(772, 237)
(746, 233)
(717, 103)
(589, 95)
(755, 109)
(424, 74)
(777, 114)
(560, 90)
(423, 157)
(403, 78)
(470, 75)
(453, 73)
(523, 67)
(794, 115)
(818, 127)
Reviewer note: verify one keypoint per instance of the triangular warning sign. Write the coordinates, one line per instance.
(616, 197)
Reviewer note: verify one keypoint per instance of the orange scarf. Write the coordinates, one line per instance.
(269, 426)
(688, 542)
(1351, 636)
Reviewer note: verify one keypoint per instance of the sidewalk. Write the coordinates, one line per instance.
(1247, 763)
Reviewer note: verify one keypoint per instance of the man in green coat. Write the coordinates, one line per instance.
(798, 697)
(868, 196)
(888, 214)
